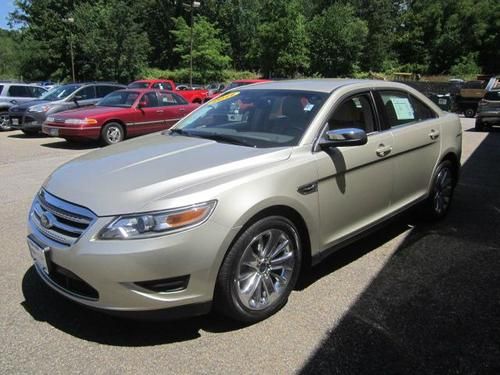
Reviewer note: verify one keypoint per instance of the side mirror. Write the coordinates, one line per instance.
(77, 98)
(344, 137)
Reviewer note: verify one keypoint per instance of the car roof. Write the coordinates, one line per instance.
(326, 85)
(251, 80)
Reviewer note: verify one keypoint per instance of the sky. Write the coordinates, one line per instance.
(6, 6)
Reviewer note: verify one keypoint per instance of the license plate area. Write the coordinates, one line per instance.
(54, 132)
(40, 255)
(15, 121)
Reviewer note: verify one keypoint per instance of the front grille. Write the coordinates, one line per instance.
(58, 220)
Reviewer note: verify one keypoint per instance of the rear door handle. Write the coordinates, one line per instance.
(383, 150)
(434, 134)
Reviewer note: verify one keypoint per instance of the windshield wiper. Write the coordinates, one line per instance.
(179, 131)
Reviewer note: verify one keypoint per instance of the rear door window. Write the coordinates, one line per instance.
(422, 111)
(102, 91)
(86, 93)
(19, 91)
(397, 108)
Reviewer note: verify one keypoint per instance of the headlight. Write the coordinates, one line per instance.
(39, 108)
(153, 224)
(50, 119)
(80, 121)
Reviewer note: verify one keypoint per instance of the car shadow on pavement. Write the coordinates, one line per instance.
(72, 145)
(45, 305)
(435, 306)
(28, 136)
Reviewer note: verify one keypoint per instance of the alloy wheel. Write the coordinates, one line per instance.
(265, 269)
(443, 190)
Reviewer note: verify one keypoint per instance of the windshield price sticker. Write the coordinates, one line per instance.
(224, 97)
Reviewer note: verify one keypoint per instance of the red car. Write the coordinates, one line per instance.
(192, 96)
(119, 115)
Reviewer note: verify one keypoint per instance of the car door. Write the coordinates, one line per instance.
(174, 107)
(355, 183)
(83, 97)
(416, 130)
(19, 94)
(150, 116)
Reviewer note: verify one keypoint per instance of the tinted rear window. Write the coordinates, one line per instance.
(492, 95)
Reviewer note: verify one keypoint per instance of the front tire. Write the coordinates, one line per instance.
(112, 133)
(437, 205)
(29, 132)
(259, 271)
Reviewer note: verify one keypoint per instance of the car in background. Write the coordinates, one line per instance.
(488, 111)
(121, 114)
(226, 211)
(29, 117)
(190, 94)
(13, 93)
(234, 84)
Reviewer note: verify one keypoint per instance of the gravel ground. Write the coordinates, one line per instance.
(410, 298)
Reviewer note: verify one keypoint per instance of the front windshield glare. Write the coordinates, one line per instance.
(257, 118)
(123, 99)
(58, 93)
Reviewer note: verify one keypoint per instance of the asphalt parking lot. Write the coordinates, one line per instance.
(410, 298)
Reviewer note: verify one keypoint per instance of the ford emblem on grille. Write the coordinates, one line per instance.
(46, 220)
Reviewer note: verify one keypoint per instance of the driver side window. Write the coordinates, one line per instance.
(354, 112)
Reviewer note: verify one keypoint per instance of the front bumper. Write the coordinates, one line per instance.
(113, 268)
(26, 120)
(63, 131)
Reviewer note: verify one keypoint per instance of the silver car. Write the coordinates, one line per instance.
(12, 94)
(226, 209)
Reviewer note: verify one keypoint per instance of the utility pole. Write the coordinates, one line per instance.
(70, 20)
(192, 5)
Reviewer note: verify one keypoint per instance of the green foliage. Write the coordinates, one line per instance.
(9, 55)
(337, 39)
(182, 75)
(466, 66)
(209, 48)
(118, 39)
(280, 46)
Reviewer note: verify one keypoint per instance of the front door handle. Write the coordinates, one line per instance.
(434, 134)
(383, 150)
(160, 111)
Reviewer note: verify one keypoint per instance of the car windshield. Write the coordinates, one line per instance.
(138, 85)
(255, 118)
(60, 92)
(124, 99)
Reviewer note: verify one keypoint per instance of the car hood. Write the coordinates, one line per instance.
(140, 174)
(89, 112)
(24, 106)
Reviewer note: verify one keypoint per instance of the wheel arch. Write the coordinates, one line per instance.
(124, 126)
(453, 158)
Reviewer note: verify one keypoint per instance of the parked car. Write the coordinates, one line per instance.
(121, 114)
(226, 208)
(488, 112)
(234, 84)
(471, 93)
(192, 96)
(30, 116)
(13, 93)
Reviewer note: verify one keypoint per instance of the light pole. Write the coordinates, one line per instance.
(71, 20)
(194, 4)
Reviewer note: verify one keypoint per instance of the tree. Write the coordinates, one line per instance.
(280, 46)
(338, 38)
(110, 43)
(209, 48)
(9, 55)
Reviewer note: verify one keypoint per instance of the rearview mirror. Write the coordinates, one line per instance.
(343, 137)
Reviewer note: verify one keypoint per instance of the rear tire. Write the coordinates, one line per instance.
(437, 205)
(4, 121)
(469, 112)
(260, 270)
(112, 133)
